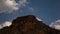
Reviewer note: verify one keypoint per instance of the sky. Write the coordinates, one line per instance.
(46, 10)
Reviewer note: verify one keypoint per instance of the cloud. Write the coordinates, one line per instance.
(11, 5)
(38, 19)
(7, 23)
(55, 24)
(31, 8)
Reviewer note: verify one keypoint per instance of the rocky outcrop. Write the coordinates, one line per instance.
(28, 25)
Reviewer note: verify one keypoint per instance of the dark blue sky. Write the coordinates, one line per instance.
(47, 10)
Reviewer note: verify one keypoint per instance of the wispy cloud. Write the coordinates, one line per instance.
(38, 19)
(11, 5)
(7, 23)
(31, 8)
(55, 24)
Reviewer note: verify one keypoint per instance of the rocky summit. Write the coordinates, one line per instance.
(28, 25)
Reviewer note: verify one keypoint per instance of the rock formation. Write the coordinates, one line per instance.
(28, 25)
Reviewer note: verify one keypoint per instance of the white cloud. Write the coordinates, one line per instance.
(7, 23)
(11, 5)
(55, 24)
(31, 8)
(38, 19)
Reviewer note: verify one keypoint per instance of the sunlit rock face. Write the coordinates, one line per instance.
(28, 25)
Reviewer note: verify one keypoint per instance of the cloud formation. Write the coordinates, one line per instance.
(55, 24)
(31, 8)
(38, 19)
(11, 5)
(7, 23)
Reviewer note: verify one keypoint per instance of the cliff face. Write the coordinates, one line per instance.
(28, 25)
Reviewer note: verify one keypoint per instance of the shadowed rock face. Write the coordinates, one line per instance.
(28, 25)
